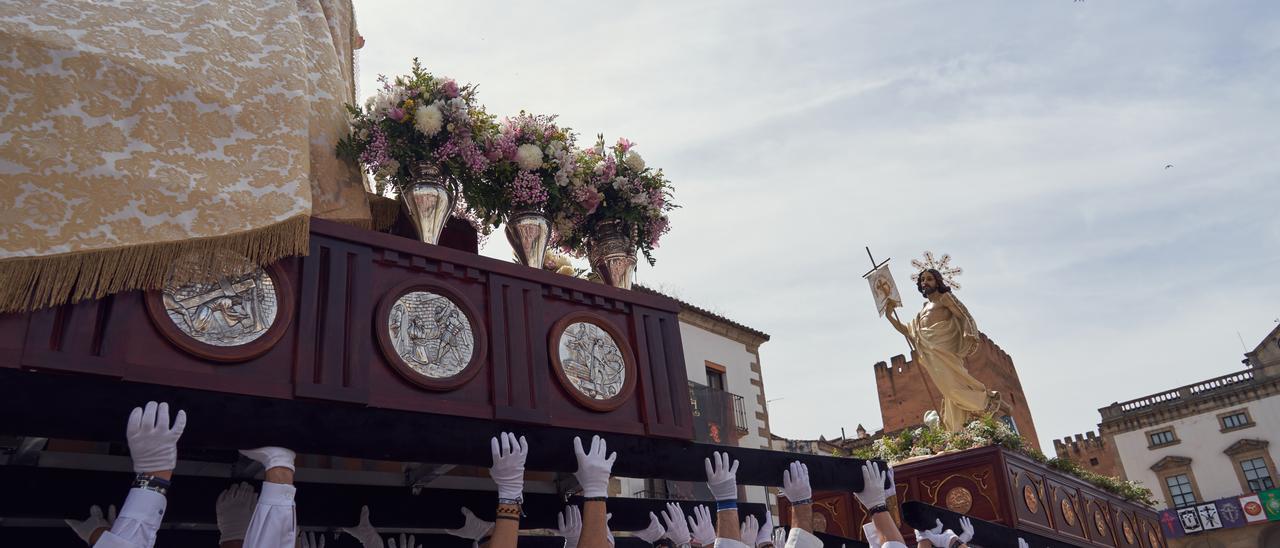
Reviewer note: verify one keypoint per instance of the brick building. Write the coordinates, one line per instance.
(903, 402)
(1095, 453)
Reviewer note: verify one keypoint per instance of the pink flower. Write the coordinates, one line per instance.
(449, 88)
(625, 144)
(395, 113)
(588, 198)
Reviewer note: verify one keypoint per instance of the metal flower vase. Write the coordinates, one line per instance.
(528, 231)
(612, 254)
(429, 201)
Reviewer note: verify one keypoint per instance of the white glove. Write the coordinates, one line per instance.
(234, 510)
(310, 540)
(966, 529)
(779, 538)
(704, 531)
(406, 541)
(795, 482)
(271, 457)
(84, 529)
(766, 531)
(153, 444)
(653, 532)
(1023, 543)
(940, 539)
(570, 526)
(508, 464)
(364, 531)
(749, 530)
(722, 478)
(608, 532)
(593, 468)
(473, 527)
(873, 479)
(677, 529)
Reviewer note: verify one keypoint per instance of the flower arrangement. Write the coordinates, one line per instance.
(614, 184)
(531, 159)
(984, 432)
(416, 118)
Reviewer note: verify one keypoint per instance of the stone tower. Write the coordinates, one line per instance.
(904, 399)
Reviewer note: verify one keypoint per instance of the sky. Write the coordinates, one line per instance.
(1028, 140)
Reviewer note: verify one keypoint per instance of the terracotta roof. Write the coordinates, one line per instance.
(703, 311)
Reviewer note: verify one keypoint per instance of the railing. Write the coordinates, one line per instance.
(715, 409)
(1184, 392)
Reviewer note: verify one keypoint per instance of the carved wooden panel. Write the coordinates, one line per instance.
(973, 487)
(1064, 504)
(1096, 513)
(1029, 497)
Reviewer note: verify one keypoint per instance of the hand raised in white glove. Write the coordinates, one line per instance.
(234, 510)
(608, 532)
(570, 526)
(271, 457)
(1023, 543)
(364, 531)
(795, 482)
(873, 492)
(84, 529)
(473, 527)
(765, 536)
(940, 539)
(924, 535)
(966, 529)
(153, 443)
(310, 539)
(653, 532)
(507, 471)
(593, 468)
(674, 520)
(406, 541)
(722, 478)
(704, 530)
(779, 538)
(749, 530)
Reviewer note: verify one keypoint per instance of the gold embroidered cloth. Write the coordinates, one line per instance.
(942, 348)
(132, 133)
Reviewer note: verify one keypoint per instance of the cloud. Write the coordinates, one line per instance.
(1029, 141)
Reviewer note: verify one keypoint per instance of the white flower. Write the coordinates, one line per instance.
(634, 161)
(562, 177)
(599, 168)
(619, 182)
(428, 119)
(529, 157)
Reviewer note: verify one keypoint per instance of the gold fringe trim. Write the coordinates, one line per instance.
(384, 210)
(30, 283)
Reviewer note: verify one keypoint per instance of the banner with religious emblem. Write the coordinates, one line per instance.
(1230, 512)
(1252, 506)
(884, 290)
(1209, 519)
(1190, 519)
(1170, 524)
(1271, 503)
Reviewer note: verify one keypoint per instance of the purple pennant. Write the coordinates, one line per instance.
(1170, 524)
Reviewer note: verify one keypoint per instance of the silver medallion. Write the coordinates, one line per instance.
(231, 310)
(592, 361)
(431, 334)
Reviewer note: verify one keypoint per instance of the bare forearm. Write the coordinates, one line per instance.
(887, 528)
(506, 528)
(727, 525)
(595, 526)
(802, 516)
(280, 474)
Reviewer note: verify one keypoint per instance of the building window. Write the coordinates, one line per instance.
(1256, 473)
(1235, 420)
(1180, 490)
(715, 379)
(1162, 438)
(1008, 421)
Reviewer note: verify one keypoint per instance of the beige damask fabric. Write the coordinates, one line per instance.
(135, 132)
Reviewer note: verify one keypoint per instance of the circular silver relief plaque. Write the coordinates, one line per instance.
(592, 361)
(232, 310)
(431, 334)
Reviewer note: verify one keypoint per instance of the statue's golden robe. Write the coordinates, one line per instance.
(942, 348)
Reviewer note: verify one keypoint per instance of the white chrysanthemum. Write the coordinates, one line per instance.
(634, 161)
(529, 157)
(428, 119)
